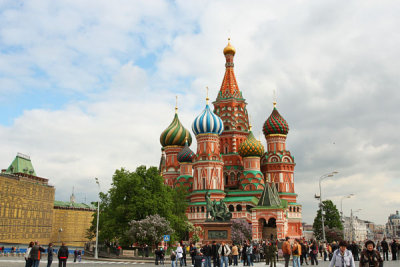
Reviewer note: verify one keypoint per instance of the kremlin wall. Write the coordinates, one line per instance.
(232, 165)
(28, 211)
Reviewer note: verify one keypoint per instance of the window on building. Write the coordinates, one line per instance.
(239, 207)
(202, 208)
(231, 208)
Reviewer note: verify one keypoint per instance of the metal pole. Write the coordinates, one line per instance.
(96, 252)
(322, 210)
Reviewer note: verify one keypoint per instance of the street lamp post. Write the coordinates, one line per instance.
(341, 213)
(96, 252)
(320, 201)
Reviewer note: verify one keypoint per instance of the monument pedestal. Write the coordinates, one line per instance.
(217, 231)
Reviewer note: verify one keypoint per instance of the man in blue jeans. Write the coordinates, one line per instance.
(223, 253)
(206, 251)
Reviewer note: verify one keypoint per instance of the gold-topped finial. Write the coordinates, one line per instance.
(207, 95)
(176, 104)
(274, 99)
(250, 126)
(229, 49)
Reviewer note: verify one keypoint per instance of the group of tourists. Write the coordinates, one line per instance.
(34, 252)
(299, 251)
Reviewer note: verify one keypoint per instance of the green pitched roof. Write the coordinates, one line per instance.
(65, 204)
(270, 197)
(21, 164)
(251, 199)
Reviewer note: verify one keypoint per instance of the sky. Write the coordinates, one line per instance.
(87, 87)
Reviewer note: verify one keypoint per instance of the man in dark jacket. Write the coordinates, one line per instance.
(385, 249)
(206, 251)
(62, 255)
(214, 254)
(35, 254)
(50, 252)
(394, 248)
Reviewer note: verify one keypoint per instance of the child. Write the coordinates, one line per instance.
(173, 259)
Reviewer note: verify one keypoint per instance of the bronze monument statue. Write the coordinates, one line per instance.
(216, 211)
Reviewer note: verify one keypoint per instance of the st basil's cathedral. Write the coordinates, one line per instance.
(232, 165)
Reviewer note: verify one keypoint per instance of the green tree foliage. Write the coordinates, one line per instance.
(240, 231)
(333, 224)
(134, 196)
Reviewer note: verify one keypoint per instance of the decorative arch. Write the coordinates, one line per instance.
(231, 208)
(239, 207)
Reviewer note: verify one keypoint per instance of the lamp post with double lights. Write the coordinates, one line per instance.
(341, 212)
(96, 252)
(320, 200)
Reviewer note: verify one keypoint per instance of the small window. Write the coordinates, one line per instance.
(239, 207)
(231, 208)
(198, 209)
(202, 208)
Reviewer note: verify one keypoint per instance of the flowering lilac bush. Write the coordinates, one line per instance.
(240, 231)
(149, 230)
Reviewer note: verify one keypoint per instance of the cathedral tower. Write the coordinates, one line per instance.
(231, 107)
(208, 164)
(172, 140)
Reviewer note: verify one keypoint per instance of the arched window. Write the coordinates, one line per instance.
(204, 183)
(232, 177)
(227, 128)
(226, 180)
(239, 207)
(226, 149)
(290, 209)
(231, 208)
(198, 210)
(202, 208)
(248, 208)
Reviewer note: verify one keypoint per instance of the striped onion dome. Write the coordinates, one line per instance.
(207, 122)
(186, 154)
(251, 147)
(175, 134)
(275, 124)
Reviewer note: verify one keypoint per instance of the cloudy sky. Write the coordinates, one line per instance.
(87, 87)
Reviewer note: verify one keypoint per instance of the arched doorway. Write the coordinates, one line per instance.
(269, 229)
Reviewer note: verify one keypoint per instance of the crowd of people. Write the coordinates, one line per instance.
(298, 251)
(34, 252)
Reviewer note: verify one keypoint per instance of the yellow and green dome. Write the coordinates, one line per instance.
(175, 134)
(251, 147)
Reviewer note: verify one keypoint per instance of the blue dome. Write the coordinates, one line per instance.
(207, 122)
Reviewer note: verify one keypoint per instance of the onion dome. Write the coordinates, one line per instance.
(186, 154)
(275, 124)
(207, 122)
(175, 134)
(229, 49)
(251, 147)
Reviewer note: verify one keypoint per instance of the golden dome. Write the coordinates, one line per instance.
(229, 49)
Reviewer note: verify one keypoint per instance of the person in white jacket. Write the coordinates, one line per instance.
(224, 251)
(28, 259)
(179, 255)
(342, 257)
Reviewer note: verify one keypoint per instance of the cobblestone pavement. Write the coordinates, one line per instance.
(18, 261)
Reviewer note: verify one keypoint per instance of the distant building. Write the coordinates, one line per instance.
(28, 211)
(355, 229)
(393, 225)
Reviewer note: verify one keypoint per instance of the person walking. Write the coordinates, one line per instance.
(314, 253)
(385, 249)
(244, 255)
(249, 253)
(394, 248)
(296, 252)
(369, 256)
(62, 255)
(303, 255)
(35, 254)
(342, 257)
(50, 252)
(224, 251)
(235, 254)
(28, 259)
(272, 251)
(161, 256)
(286, 250)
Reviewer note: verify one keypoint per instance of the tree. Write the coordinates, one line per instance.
(134, 196)
(196, 231)
(332, 222)
(149, 230)
(240, 231)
